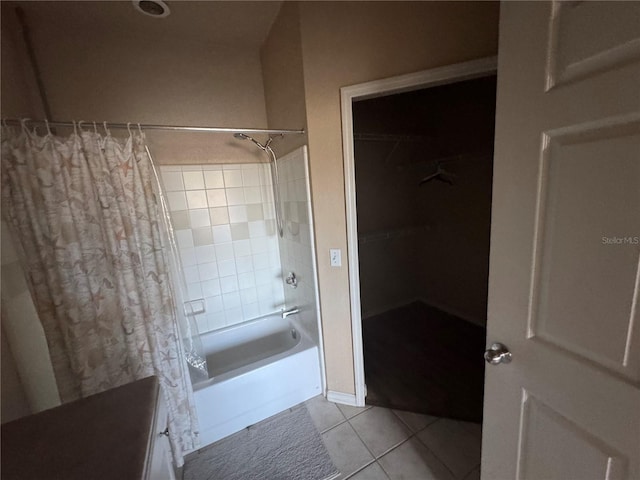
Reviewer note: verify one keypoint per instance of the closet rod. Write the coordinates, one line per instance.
(147, 126)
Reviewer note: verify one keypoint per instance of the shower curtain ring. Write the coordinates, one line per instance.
(23, 122)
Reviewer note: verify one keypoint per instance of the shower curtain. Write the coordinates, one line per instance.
(87, 216)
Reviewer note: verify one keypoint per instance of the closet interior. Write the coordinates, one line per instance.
(423, 163)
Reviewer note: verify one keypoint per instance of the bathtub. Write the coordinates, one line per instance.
(256, 369)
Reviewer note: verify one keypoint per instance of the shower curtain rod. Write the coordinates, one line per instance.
(147, 126)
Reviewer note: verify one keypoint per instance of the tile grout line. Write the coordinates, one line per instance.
(415, 434)
(444, 464)
(412, 435)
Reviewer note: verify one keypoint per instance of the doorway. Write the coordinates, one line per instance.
(411, 152)
(423, 173)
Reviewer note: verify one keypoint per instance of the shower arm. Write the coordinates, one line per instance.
(274, 176)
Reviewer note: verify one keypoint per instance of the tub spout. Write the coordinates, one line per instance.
(290, 311)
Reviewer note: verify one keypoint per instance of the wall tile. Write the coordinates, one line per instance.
(188, 257)
(202, 236)
(184, 238)
(211, 288)
(238, 214)
(207, 271)
(216, 320)
(239, 231)
(172, 181)
(180, 220)
(213, 179)
(219, 215)
(248, 295)
(199, 217)
(257, 229)
(194, 291)
(227, 268)
(233, 316)
(235, 196)
(250, 310)
(260, 261)
(191, 274)
(231, 300)
(221, 233)
(196, 199)
(252, 195)
(232, 178)
(224, 251)
(244, 264)
(216, 198)
(214, 304)
(177, 201)
(193, 180)
(254, 212)
(211, 206)
(229, 284)
(251, 178)
(205, 254)
(247, 280)
(241, 248)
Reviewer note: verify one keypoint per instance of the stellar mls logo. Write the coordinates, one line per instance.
(621, 240)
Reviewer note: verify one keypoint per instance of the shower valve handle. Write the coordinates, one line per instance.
(292, 280)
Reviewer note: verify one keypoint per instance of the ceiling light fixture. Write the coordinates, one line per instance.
(153, 8)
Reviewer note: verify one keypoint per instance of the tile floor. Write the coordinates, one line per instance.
(374, 443)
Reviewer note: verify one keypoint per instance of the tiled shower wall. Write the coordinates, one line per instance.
(296, 247)
(224, 221)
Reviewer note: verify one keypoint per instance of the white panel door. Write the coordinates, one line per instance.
(565, 245)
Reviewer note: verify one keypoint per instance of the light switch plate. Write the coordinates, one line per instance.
(335, 254)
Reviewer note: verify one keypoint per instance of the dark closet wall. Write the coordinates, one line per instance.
(431, 241)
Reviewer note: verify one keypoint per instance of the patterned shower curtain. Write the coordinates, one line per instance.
(85, 211)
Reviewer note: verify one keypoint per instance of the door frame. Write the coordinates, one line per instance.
(378, 88)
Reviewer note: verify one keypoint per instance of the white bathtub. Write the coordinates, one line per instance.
(256, 369)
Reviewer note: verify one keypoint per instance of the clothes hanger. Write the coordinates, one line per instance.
(440, 174)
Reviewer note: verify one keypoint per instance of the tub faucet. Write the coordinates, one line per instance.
(290, 311)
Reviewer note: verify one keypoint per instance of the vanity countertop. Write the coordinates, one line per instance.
(104, 436)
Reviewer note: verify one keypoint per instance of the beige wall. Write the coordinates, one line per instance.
(123, 75)
(27, 382)
(24, 333)
(346, 43)
(119, 76)
(282, 72)
(18, 95)
(13, 400)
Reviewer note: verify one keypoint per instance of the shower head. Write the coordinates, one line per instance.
(244, 136)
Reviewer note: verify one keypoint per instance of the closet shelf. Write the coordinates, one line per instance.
(384, 235)
(382, 137)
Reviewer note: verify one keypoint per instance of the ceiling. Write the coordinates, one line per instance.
(214, 23)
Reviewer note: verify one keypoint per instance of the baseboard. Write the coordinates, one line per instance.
(439, 306)
(454, 312)
(388, 307)
(342, 398)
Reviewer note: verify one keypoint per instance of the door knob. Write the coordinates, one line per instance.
(497, 354)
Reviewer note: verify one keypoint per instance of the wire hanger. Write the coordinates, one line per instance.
(440, 174)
